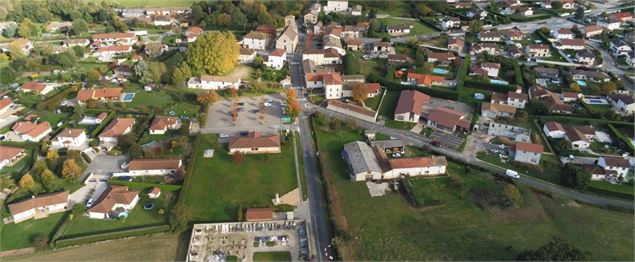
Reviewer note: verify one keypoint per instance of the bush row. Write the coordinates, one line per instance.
(144, 185)
(100, 127)
(621, 136)
(54, 101)
(440, 93)
(111, 235)
(489, 86)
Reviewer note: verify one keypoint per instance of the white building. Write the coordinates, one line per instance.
(38, 207)
(113, 203)
(71, 138)
(333, 85)
(115, 39)
(335, 6)
(213, 82)
(246, 56)
(117, 127)
(276, 59)
(610, 24)
(554, 130)
(33, 132)
(255, 40)
(153, 167)
(563, 34)
(617, 164)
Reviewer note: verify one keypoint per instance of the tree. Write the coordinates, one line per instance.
(555, 250)
(79, 51)
(26, 181)
(294, 109)
(213, 53)
(579, 13)
(185, 70)
(49, 180)
(135, 151)
(16, 51)
(562, 144)
(40, 242)
(475, 26)
(78, 209)
(178, 217)
(575, 87)
(608, 87)
(424, 10)
(556, 5)
(238, 157)
(177, 77)
(79, 26)
(26, 28)
(207, 98)
(71, 170)
(149, 72)
(10, 30)
(93, 75)
(360, 93)
(576, 177)
(125, 141)
(7, 75)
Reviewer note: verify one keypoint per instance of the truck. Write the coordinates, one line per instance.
(512, 173)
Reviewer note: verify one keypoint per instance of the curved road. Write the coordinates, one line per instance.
(420, 141)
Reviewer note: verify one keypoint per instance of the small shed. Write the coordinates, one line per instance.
(154, 193)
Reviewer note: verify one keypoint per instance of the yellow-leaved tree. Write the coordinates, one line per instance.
(214, 53)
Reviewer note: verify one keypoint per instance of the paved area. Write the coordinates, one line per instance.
(106, 165)
(447, 139)
(219, 117)
(8, 120)
(437, 102)
(377, 189)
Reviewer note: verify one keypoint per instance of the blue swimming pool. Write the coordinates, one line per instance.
(581, 82)
(440, 71)
(498, 82)
(127, 97)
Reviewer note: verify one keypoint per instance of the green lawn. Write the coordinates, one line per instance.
(83, 225)
(458, 229)
(399, 124)
(418, 27)
(155, 3)
(550, 165)
(218, 186)
(624, 191)
(373, 102)
(166, 100)
(387, 109)
(272, 256)
(399, 8)
(20, 235)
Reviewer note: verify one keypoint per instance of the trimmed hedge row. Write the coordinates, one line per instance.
(53, 102)
(529, 19)
(489, 86)
(621, 136)
(112, 235)
(615, 194)
(100, 127)
(463, 72)
(440, 93)
(143, 185)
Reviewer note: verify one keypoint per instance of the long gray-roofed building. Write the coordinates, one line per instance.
(362, 162)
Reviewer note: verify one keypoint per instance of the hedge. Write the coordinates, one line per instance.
(143, 185)
(529, 19)
(489, 86)
(440, 93)
(518, 76)
(100, 127)
(111, 235)
(54, 101)
(621, 136)
(463, 72)
(615, 194)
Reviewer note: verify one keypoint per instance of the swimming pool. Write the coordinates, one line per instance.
(127, 97)
(440, 71)
(498, 82)
(581, 82)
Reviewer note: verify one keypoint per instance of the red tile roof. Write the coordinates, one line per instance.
(113, 35)
(528, 147)
(39, 201)
(254, 139)
(259, 214)
(150, 164)
(5, 102)
(99, 93)
(70, 132)
(448, 118)
(34, 86)
(31, 129)
(417, 162)
(7, 152)
(112, 196)
(117, 127)
(411, 101)
(163, 122)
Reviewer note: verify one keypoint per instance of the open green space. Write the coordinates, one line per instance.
(219, 186)
(417, 29)
(373, 102)
(387, 109)
(272, 256)
(163, 101)
(550, 167)
(451, 226)
(398, 9)
(20, 235)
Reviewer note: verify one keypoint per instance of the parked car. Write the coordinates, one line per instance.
(512, 173)
(283, 104)
(267, 104)
(125, 165)
(125, 178)
(223, 135)
(244, 133)
(241, 103)
(396, 155)
(90, 203)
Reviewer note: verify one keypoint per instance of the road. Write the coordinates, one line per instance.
(609, 64)
(423, 142)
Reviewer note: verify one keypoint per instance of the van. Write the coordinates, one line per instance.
(512, 174)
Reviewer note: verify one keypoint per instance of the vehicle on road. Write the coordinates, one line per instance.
(512, 173)
(267, 104)
(283, 104)
(125, 165)
(241, 103)
(435, 143)
(396, 155)
(244, 133)
(223, 135)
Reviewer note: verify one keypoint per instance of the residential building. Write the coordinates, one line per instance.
(333, 84)
(446, 119)
(254, 143)
(491, 110)
(570, 96)
(571, 44)
(619, 47)
(585, 57)
(59, 26)
(399, 59)
(485, 69)
(21, 43)
(579, 136)
(489, 48)
(354, 44)
(110, 39)
(70, 138)
(518, 9)
(563, 34)
(514, 35)
(33, 132)
(162, 124)
(155, 49)
(595, 76)
(259, 214)
(246, 56)
(441, 57)
(622, 103)
(107, 53)
(5, 105)
(288, 40)
(383, 47)
(311, 18)
(554, 130)
(526, 152)
(398, 29)
(37, 87)
(39, 206)
(427, 80)
(617, 164)
(81, 42)
(592, 30)
(450, 23)
(255, 40)
(569, 4)
(116, 128)
(537, 50)
(111, 94)
(356, 10)
(622, 16)
(192, 33)
(490, 36)
(610, 23)
(517, 100)
(335, 6)
(115, 202)
(276, 59)
(410, 106)
(456, 44)
(213, 82)
(363, 165)
(10, 155)
(551, 100)
(352, 110)
(153, 167)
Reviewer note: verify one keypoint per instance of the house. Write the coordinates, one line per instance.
(622, 103)
(548, 73)
(115, 129)
(491, 110)
(517, 100)
(578, 136)
(33, 132)
(246, 55)
(81, 42)
(570, 96)
(162, 20)
(162, 124)
(153, 167)
(447, 119)
(399, 59)
(515, 51)
(410, 106)
(39, 206)
(61, 26)
(311, 18)
(551, 100)
(371, 89)
(526, 152)
(107, 53)
(425, 79)
(490, 36)
(352, 31)
(514, 35)
(354, 44)
(441, 57)
(6, 24)
(333, 84)
(213, 82)
(563, 34)
(489, 48)
(585, 57)
(363, 165)
(254, 143)
(571, 44)
(155, 49)
(335, 6)
(518, 9)
(398, 29)
(416, 166)
(592, 30)
(10, 155)
(352, 110)
(569, 4)
(610, 23)
(71, 138)
(456, 44)
(259, 214)
(537, 50)
(619, 47)
(37, 87)
(255, 40)
(192, 33)
(622, 16)
(116, 201)
(5, 105)
(111, 39)
(595, 76)
(554, 130)
(288, 40)
(276, 59)
(383, 47)
(333, 42)
(485, 69)
(450, 23)
(112, 94)
(154, 193)
(617, 164)
(356, 10)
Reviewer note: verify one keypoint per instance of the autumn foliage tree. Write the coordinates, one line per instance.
(214, 53)
(26, 181)
(207, 98)
(71, 170)
(293, 108)
(359, 92)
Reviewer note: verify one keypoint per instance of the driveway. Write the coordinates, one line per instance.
(106, 165)
(219, 118)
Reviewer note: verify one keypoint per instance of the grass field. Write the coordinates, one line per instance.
(272, 256)
(418, 27)
(164, 247)
(166, 101)
(458, 229)
(373, 102)
(154, 3)
(20, 235)
(387, 108)
(218, 186)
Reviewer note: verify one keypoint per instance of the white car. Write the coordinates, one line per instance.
(90, 203)
(223, 135)
(267, 104)
(283, 104)
(396, 155)
(512, 173)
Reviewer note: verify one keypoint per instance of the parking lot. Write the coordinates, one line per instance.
(220, 120)
(446, 139)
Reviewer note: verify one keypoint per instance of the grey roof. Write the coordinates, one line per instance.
(361, 158)
(388, 143)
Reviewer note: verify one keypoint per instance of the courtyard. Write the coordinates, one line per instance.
(220, 120)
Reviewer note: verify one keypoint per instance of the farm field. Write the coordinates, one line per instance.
(451, 226)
